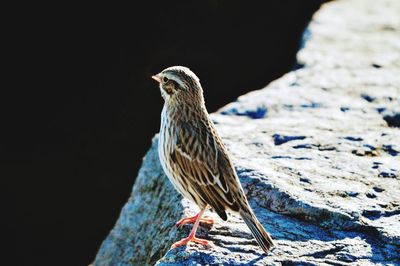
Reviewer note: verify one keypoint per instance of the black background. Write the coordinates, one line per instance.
(82, 109)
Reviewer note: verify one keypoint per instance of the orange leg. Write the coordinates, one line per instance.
(192, 236)
(192, 219)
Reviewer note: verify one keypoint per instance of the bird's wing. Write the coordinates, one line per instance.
(200, 157)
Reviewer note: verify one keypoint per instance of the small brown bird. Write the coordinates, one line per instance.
(194, 158)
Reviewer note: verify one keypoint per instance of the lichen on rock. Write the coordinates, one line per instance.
(317, 152)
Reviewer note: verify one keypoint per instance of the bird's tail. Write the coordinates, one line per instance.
(256, 228)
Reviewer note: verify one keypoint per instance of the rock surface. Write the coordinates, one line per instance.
(317, 151)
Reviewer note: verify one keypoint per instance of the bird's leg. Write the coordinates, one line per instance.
(192, 236)
(192, 219)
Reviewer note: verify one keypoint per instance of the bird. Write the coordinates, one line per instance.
(195, 159)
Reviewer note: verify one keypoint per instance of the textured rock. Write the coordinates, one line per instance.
(317, 151)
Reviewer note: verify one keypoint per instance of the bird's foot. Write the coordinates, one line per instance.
(188, 239)
(191, 220)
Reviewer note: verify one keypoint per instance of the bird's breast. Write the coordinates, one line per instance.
(165, 143)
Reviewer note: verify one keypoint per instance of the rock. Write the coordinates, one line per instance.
(279, 139)
(321, 168)
(392, 120)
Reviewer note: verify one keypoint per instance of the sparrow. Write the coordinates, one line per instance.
(195, 159)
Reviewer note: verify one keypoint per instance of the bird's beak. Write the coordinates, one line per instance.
(156, 78)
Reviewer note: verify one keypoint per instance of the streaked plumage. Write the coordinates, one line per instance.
(193, 155)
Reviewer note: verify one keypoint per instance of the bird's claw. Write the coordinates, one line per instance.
(185, 241)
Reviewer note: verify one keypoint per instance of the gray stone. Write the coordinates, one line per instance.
(317, 158)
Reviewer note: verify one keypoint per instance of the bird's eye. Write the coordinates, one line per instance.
(164, 79)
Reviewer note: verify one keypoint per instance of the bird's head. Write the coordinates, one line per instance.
(179, 85)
